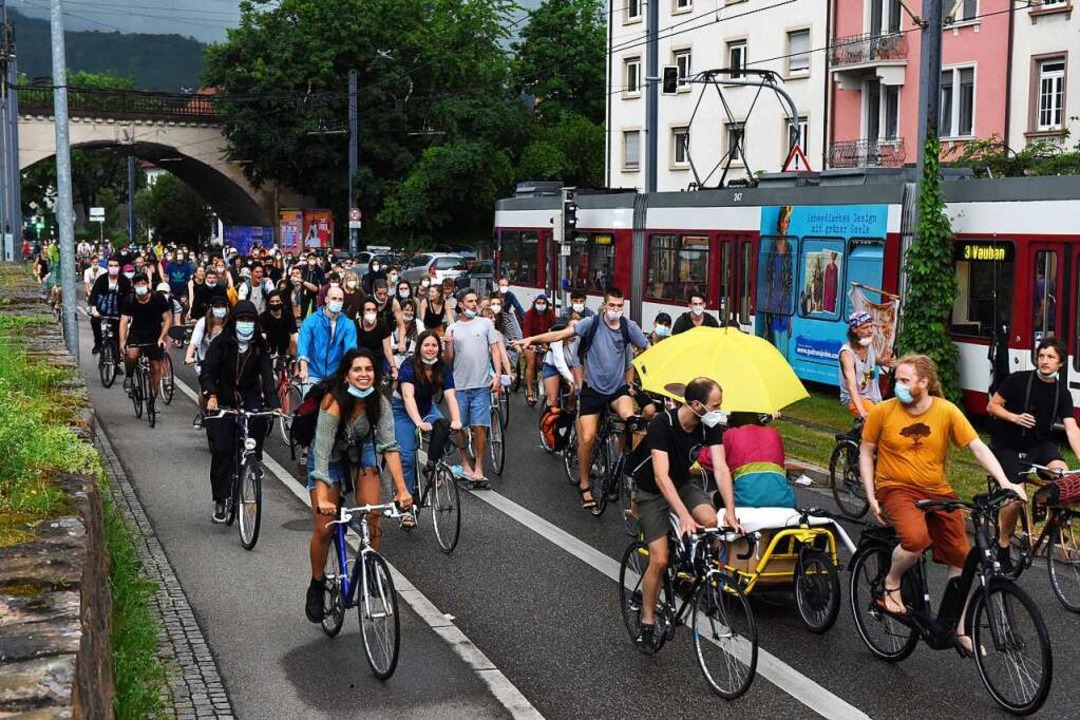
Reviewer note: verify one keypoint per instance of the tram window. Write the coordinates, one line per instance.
(984, 295)
(577, 265)
(677, 266)
(519, 256)
(821, 269)
(746, 281)
(1044, 301)
(601, 262)
(776, 275)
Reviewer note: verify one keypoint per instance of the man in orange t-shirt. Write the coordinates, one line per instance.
(910, 435)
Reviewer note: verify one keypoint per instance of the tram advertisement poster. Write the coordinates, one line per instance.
(244, 237)
(809, 255)
(290, 228)
(318, 228)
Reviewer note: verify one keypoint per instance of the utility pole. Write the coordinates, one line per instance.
(13, 250)
(131, 197)
(652, 92)
(929, 80)
(65, 214)
(354, 139)
(5, 152)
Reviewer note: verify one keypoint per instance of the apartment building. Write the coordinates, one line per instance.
(695, 131)
(1044, 88)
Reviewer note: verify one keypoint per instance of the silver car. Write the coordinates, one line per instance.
(436, 266)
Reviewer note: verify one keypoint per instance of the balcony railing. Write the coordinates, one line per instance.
(856, 49)
(121, 104)
(867, 152)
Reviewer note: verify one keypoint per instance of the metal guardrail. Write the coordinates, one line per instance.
(856, 49)
(867, 152)
(121, 104)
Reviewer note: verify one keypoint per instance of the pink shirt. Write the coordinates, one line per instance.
(752, 444)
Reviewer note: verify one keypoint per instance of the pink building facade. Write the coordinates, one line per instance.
(874, 78)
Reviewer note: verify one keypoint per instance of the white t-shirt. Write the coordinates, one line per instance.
(90, 274)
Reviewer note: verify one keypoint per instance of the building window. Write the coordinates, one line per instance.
(631, 149)
(957, 102)
(798, 51)
(633, 9)
(884, 17)
(680, 6)
(680, 146)
(736, 52)
(802, 137)
(882, 111)
(678, 266)
(1051, 94)
(683, 63)
(632, 75)
(964, 10)
(735, 140)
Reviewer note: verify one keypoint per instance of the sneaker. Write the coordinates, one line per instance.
(1005, 560)
(646, 639)
(95, 350)
(220, 513)
(313, 606)
(196, 422)
(127, 384)
(408, 522)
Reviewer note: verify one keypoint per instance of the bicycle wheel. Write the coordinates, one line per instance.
(628, 505)
(333, 600)
(1063, 562)
(107, 363)
(168, 382)
(817, 590)
(1012, 647)
(495, 442)
(570, 463)
(600, 475)
(725, 635)
(378, 610)
(290, 401)
(136, 392)
(250, 502)
(544, 445)
(886, 636)
(845, 482)
(631, 572)
(445, 508)
(504, 407)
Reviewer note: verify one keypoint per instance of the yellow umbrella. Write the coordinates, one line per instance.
(754, 375)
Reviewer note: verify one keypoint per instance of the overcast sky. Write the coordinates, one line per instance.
(204, 20)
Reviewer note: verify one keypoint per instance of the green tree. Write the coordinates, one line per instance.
(432, 74)
(991, 157)
(561, 59)
(931, 288)
(174, 211)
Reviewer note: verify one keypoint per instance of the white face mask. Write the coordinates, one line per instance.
(219, 312)
(698, 310)
(577, 307)
(496, 308)
(142, 291)
(1048, 376)
(662, 331)
(613, 315)
(541, 307)
(351, 284)
(425, 283)
(712, 418)
(370, 318)
(392, 278)
(865, 342)
(504, 288)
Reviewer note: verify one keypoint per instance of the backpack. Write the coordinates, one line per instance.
(555, 427)
(587, 338)
(306, 417)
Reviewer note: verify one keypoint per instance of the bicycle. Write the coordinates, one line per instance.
(290, 392)
(167, 383)
(724, 629)
(376, 601)
(567, 403)
(496, 444)
(847, 487)
(1001, 619)
(1059, 535)
(141, 390)
(245, 495)
(109, 356)
(441, 485)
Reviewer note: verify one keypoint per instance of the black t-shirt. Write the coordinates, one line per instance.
(372, 339)
(665, 433)
(278, 331)
(146, 323)
(1040, 403)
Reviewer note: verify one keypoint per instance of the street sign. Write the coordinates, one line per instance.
(97, 214)
(355, 224)
(354, 214)
(796, 160)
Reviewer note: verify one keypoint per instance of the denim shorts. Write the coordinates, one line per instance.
(475, 405)
(335, 471)
(548, 370)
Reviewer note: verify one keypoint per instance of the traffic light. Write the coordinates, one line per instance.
(569, 215)
(671, 80)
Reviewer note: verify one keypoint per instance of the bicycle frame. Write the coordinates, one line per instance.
(351, 580)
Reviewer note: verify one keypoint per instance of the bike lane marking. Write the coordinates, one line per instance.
(770, 667)
(500, 686)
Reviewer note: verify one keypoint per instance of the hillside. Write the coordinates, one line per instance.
(155, 62)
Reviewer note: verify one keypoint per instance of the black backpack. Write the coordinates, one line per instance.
(587, 338)
(306, 417)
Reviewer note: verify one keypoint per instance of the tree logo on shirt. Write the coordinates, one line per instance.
(916, 432)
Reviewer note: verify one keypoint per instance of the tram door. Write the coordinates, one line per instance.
(1052, 307)
(735, 280)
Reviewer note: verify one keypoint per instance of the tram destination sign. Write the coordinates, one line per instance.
(983, 251)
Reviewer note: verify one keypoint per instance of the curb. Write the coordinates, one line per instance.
(195, 686)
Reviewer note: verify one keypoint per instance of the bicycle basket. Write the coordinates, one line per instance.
(1063, 491)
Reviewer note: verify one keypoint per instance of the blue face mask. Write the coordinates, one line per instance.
(245, 331)
(358, 393)
(469, 313)
(903, 394)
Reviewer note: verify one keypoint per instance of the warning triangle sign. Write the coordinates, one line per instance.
(796, 160)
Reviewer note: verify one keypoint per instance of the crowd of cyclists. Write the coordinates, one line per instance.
(391, 358)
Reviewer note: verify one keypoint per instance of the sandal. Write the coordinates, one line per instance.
(589, 504)
(967, 649)
(880, 602)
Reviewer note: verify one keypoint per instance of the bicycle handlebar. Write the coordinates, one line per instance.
(981, 502)
(223, 412)
(1035, 469)
(387, 510)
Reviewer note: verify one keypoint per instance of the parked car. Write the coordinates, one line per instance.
(480, 277)
(437, 266)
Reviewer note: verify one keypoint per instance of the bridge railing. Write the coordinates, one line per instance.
(121, 104)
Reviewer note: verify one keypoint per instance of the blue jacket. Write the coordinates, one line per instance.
(323, 355)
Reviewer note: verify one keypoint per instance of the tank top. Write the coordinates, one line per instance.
(865, 375)
(434, 320)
